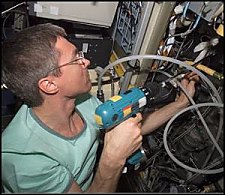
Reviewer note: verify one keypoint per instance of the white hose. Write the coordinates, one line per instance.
(200, 116)
(12, 8)
(214, 171)
(203, 121)
(164, 58)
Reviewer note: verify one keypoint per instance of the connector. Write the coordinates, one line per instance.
(100, 95)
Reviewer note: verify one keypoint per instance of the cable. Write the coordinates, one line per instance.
(201, 118)
(203, 122)
(167, 148)
(190, 30)
(185, 11)
(3, 25)
(13, 7)
(181, 72)
(20, 14)
(196, 21)
(112, 82)
(141, 57)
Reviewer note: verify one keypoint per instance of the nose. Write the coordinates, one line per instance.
(86, 62)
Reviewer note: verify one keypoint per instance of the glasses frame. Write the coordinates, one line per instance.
(80, 55)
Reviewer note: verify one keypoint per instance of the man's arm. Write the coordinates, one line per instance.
(154, 120)
(106, 177)
(119, 144)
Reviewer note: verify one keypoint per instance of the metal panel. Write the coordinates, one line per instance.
(90, 12)
(151, 30)
(156, 28)
(132, 23)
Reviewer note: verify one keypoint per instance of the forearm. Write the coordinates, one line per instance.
(106, 177)
(119, 143)
(107, 174)
(153, 121)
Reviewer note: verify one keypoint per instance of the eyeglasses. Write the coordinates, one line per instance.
(76, 61)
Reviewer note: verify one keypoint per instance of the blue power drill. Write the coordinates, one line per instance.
(119, 108)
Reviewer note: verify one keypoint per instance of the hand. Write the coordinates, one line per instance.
(124, 139)
(188, 82)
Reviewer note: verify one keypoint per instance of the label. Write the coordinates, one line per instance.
(115, 98)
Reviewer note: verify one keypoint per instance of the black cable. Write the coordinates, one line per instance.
(3, 25)
(184, 71)
(20, 14)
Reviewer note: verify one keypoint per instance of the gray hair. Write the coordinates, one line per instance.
(27, 57)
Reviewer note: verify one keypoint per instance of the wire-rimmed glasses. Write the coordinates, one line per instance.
(76, 61)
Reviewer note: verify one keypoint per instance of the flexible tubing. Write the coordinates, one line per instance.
(200, 116)
(214, 171)
(156, 57)
(203, 121)
(12, 8)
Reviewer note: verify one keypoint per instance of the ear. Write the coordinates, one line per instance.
(48, 86)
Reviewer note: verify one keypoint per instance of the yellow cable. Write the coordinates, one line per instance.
(207, 70)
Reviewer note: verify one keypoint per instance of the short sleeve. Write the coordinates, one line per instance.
(35, 173)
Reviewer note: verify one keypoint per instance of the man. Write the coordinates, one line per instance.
(51, 144)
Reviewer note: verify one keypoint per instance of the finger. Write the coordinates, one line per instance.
(137, 117)
(193, 79)
(188, 75)
(192, 76)
(192, 83)
(189, 78)
(139, 125)
(191, 73)
(184, 82)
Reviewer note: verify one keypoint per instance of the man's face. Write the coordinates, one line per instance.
(75, 79)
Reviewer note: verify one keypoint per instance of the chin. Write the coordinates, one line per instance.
(88, 87)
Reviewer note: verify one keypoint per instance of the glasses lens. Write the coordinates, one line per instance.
(80, 54)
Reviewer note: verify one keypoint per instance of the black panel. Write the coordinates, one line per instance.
(96, 47)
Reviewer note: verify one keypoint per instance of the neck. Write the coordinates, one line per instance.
(60, 117)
